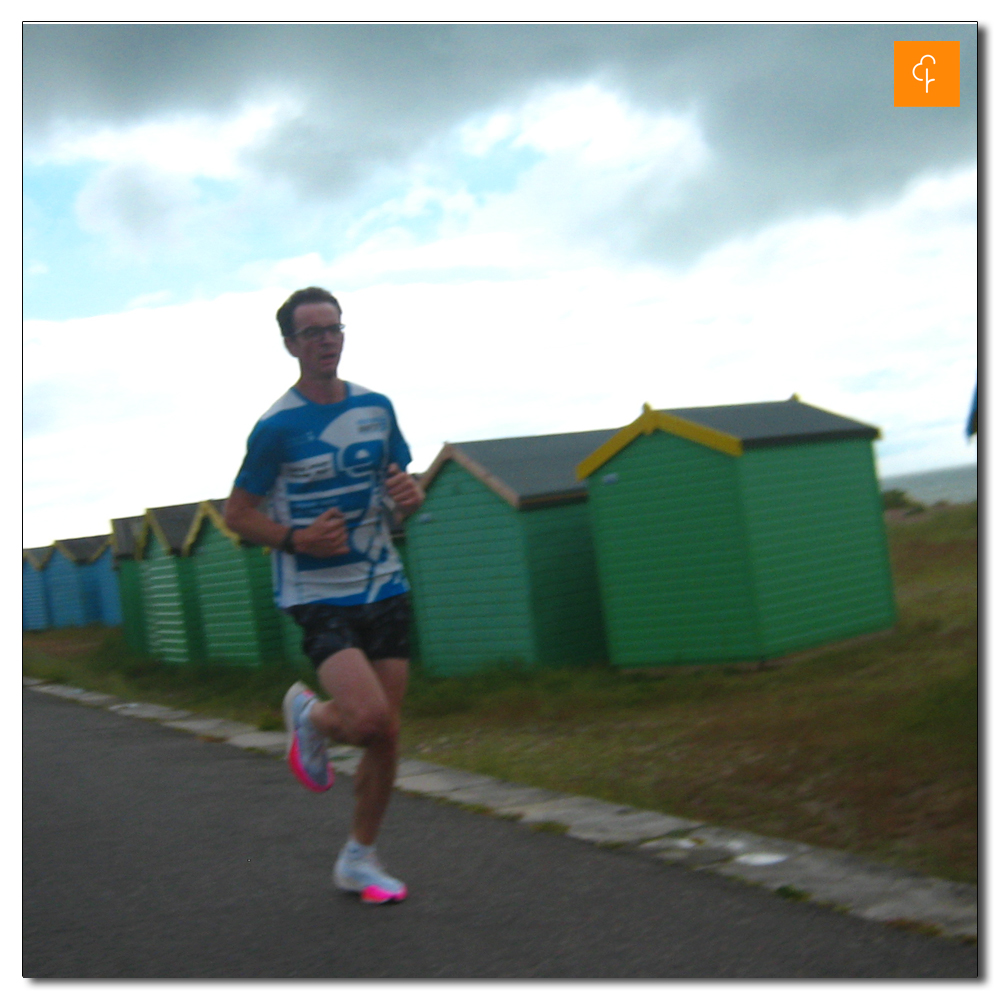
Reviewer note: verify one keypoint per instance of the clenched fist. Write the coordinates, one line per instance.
(404, 490)
(324, 538)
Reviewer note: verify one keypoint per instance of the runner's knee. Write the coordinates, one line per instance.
(376, 725)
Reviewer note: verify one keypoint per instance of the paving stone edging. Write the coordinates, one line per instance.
(844, 881)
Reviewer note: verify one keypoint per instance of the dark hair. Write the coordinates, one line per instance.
(304, 296)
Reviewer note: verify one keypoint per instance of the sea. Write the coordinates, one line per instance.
(957, 484)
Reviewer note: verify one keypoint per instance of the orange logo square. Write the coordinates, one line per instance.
(925, 74)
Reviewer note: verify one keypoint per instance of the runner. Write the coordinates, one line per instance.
(323, 475)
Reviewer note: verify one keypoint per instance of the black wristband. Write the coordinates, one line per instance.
(286, 542)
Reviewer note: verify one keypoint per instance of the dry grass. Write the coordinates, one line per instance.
(869, 746)
(96, 658)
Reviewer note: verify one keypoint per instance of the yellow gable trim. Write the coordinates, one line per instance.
(645, 424)
(100, 550)
(38, 564)
(73, 559)
(150, 524)
(700, 434)
(206, 509)
(139, 547)
(59, 547)
(652, 420)
(106, 544)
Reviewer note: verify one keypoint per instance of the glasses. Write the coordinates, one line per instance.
(314, 333)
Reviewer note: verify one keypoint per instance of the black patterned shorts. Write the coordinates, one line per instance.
(380, 630)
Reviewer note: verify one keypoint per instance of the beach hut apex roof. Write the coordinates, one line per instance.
(733, 429)
(213, 511)
(524, 471)
(38, 556)
(83, 550)
(125, 532)
(169, 524)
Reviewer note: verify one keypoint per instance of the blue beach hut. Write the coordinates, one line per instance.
(65, 588)
(35, 614)
(100, 582)
(98, 586)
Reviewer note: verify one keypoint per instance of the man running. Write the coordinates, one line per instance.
(323, 474)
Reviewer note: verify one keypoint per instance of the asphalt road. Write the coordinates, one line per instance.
(149, 853)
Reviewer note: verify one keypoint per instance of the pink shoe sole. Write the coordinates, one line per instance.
(373, 894)
(295, 764)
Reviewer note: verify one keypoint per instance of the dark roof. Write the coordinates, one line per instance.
(83, 550)
(760, 425)
(212, 510)
(174, 522)
(39, 556)
(540, 467)
(125, 533)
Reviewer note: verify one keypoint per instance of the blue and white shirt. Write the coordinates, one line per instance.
(307, 457)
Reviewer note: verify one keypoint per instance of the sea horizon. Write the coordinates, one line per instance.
(953, 484)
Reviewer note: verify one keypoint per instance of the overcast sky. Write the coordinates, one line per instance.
(531, 229)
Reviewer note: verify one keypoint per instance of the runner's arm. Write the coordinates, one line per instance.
(325, 537)
(404, 490)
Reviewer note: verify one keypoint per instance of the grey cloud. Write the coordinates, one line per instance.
(133, 205)
(798, 117)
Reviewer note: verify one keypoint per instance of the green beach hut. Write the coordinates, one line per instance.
(399, 544)
(174, 630)
(735, 533)
(500, 557)
(125, 532)
(291, 642)
(233, 581)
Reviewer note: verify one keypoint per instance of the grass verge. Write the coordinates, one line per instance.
(96, 657)
(870, 746)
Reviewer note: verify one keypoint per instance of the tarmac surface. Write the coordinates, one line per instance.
(159, 845)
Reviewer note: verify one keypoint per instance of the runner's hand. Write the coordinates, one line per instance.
(404, 490)
(325, 537)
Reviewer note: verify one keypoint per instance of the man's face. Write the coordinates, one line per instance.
(318, 355)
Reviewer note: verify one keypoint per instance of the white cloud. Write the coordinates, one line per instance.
(160, 298)
(604, 132)
(184, 145)
(603, 167)
(167, 183)
(566, 208)
(503, 299)
(451, 203)
(144, 408)
(859, 315)
(871, 315)
(478, 137)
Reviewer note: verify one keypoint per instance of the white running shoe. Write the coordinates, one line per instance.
(366, 877)
(306, 747)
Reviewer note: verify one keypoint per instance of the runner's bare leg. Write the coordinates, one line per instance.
(364, 710)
